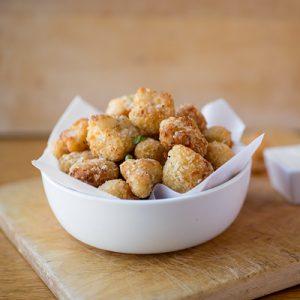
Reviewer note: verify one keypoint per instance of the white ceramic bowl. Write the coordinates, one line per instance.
(284, 171)
(148, 226)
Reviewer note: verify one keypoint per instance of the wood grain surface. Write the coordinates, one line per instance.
(244, 51)
(17, 280)
(258, 254)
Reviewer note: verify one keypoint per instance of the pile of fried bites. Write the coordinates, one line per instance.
(141, 141)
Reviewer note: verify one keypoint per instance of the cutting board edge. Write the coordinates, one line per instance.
(35, 263)
(256, 286)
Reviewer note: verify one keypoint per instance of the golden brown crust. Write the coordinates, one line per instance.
(218, 154)
(72, 139)
(118, 188)
(120, 106)
(184, 169)
(149, 109)
(151, 148)
(141, 175)
(94, 171)
(59, 148)
(75, 136)
(111, 137)
(189, 110)
(219, 134)
(184, 131)
(67, 160)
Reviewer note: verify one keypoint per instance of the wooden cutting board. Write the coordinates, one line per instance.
(258, 254)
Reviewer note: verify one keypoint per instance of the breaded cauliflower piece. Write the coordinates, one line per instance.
(149, 109)
(111, 137)
(141, 175)
(120, 106)
(72, 139)
(184, 131)
(118, 188)
(94, 171)
(218, 134)
(184, 169)
(67, 160)
(151, 148)
(59, 148)
(189, 110)
(218, 154)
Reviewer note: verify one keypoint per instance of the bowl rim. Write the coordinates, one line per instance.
(151, 201)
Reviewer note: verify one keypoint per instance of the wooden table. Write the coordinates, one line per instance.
(17, 279)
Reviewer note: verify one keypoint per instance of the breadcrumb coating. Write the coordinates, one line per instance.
(141, 175)
(151, 148)
(59, 148)
(118, 188)
(184, 131)
(218, 134)
(94, 171)
(184, 169)
(218, 154)
(149, 109)
(67, 160)
(189, 110)
(111, 137)
(120, 106)
(72, 139)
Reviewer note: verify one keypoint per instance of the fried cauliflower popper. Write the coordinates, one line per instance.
(218, 154)
(111, 137)
(149, 109)
(184, 169)
(140, 142)
(94, 171)
(141, 175)
(118, 188)
(151, 148)
(72, 139)
(218, 134)
(189, 110)
(120, 106)
(184, 131)
(67, 160)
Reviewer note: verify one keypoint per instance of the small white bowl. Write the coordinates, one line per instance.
(148, 226)
(283, 166)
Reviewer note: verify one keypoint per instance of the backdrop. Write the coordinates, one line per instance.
(245, 51)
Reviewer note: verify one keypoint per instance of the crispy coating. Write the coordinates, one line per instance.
(94, 171)
(118, 188)
(184, 169)
(59, 148)
(189, 110)
(218, 134)
(149, 109)
(67, 160)
(184, 131)
(141, 175)
(72, 139)
(120, 106)
(151, 148)
(111, 137)
(218, 154)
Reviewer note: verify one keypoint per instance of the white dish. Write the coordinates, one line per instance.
(283, 166)
(148, 226)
